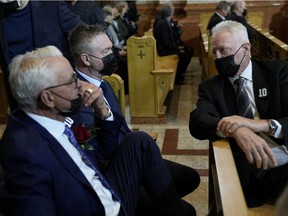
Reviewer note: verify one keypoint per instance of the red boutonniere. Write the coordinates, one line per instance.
(84, 135)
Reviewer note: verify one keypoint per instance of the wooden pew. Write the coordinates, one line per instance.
(266, 46)
(225, 192)
(118, 87)
(4, 107)
(206, 56)
(150, 77)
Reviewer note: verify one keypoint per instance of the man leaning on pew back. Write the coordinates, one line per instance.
(252, 116)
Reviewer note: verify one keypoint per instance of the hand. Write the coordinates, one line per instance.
(254, 147)
(228, 125)
(93, 97)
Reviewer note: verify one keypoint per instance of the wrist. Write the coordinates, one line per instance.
(104, 115)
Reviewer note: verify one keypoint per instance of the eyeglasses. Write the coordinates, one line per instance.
(74, 82)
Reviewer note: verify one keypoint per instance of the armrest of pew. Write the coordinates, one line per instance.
(117, 84)
(228, 194)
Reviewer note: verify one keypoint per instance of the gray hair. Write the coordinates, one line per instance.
(238, 31)
(30, 74)
(235, 5)
(222, 5)
(81, 38)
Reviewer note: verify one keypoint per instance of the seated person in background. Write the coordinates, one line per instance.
(118, 22)
(222, 11)
(238, 13)
(47, 172)
(89, 11)
(94, 58)
(247, 103)
(166, 44)
(118, 49)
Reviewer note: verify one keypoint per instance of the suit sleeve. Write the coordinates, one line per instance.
(204, 118)
(68, 20)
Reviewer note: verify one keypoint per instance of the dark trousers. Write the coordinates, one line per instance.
(138, 162)
(259, 186)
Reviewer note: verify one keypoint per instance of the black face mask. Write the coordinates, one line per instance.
(75, 105)
(226, 66)
(110, 64)
(244, 12)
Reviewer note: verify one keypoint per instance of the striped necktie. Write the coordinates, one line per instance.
(68, 132)
(243, 101)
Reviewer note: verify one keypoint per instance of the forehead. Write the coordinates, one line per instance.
(60, 66)
(223, 39)
(102, 42)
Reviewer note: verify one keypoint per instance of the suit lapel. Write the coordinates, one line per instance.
(58, 150)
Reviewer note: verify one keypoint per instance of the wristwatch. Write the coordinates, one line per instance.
(109, 114)
(272, 126)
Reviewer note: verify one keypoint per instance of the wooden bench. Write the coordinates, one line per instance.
(4, 106)
(206, 56)
(266, 46)
(117, 84)
(150, 77)
(225, 192)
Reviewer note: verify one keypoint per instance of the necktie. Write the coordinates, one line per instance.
(68, 132)
(243, 101)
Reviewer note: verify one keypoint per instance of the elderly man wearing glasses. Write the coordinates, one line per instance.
(46, 172)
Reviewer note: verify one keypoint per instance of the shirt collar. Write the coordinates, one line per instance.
(247, 74)
(90, 79)
(55, 128)
(222, 17)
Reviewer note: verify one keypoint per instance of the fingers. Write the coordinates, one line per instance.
(261, 154)
(91, 93)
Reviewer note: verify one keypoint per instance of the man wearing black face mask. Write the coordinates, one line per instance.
(238, 13)
(89, 44)
(250, 115)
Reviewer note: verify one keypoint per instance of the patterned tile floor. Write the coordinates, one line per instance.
(186, 149)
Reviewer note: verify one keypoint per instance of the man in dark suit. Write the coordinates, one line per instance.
(238, 13)
(30, 25)
(222, 10)
(46, 172)
(263, 170)
(91, 48)
(166, 44)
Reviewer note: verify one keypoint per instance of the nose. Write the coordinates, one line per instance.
(79, 83)
(217, 54)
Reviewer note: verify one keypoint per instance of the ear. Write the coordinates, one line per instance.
(247, 47)
(46, 98)
(85, 59)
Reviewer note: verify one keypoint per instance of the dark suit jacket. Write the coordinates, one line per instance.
(41, 178)
(214, 20)
(51, 23)
(163, 35)
(217, 99)
(86, 114)
(89, 11)
(233, 16)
